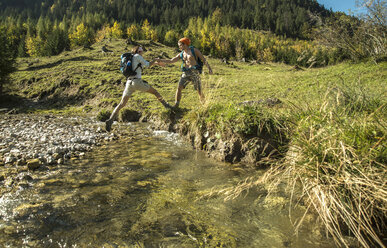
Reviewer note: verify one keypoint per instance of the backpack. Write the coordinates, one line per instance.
(199, 62)
(126, 65)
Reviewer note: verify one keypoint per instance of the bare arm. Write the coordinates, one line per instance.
(170, 61)
(200, 55)
(152, 62)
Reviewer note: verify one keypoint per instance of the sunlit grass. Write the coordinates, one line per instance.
(328, 129)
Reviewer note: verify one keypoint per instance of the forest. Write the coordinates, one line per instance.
(290, 18)
(297, 32)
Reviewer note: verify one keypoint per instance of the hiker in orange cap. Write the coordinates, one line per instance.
(185, 41)
(193, 61)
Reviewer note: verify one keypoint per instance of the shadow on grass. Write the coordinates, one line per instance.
(9, 101)
(56, 63)
(18, 104)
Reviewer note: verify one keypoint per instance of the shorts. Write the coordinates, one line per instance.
(191, 76)
(135, 84)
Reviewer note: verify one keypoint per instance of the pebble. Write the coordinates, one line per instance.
(50, 139)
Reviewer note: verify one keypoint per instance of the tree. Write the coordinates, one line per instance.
(171, 37)
(359, 38)
(7, 58)
(116, 31)
(146, 29)
(82, 36)
(133, 32)
(34, 46)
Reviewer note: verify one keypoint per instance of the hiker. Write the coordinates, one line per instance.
(191, 68)
(134, 83)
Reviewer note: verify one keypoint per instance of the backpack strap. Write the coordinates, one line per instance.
(182, 64)
(198, 66)
(193, 53)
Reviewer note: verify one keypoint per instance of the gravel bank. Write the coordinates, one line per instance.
(50, 139)
(36, 142)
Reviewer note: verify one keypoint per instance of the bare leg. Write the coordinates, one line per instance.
(201, 96)
(115, 112)
(122, 104)
(178, 95)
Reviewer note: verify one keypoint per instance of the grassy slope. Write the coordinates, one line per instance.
(335, 116)
(95, 77)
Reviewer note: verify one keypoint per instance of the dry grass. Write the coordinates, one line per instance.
(336, 165)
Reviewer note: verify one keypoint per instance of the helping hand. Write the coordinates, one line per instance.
(159, 63)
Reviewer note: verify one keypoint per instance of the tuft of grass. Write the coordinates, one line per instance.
(336, 163)
(338, 155)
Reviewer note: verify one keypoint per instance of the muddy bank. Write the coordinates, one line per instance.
(252, 150)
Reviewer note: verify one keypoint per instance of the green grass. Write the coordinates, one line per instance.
(328, 126)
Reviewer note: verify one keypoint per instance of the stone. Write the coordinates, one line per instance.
(57, 156)
(10, 159)
(33, 164)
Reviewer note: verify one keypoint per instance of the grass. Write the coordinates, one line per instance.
(327, 125)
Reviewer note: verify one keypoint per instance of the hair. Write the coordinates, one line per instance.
(135, 49)
(185, 41)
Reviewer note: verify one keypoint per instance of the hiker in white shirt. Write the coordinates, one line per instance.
(136, 83)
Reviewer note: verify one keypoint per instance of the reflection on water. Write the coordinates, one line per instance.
(146, 190)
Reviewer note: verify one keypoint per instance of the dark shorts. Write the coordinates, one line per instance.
(191, 76)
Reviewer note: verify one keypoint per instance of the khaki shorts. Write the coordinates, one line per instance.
(135, 84)
(191, 76)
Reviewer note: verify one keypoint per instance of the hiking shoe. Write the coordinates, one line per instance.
(108, 125)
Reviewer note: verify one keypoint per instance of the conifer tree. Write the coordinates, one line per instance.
(7, 58)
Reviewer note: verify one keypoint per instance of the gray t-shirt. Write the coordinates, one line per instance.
(138, 59)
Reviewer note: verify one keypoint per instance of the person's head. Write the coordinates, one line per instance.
(183, 43)
(137, 49)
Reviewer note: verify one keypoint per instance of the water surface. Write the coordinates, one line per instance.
(149, 189)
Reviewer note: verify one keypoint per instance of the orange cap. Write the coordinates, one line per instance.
(185, 41)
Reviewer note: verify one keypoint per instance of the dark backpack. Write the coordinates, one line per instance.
(126, 65)
(199, 62)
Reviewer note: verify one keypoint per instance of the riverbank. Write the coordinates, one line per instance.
(320, 129)
(39, 142)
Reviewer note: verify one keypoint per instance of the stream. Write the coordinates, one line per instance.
(150, 189)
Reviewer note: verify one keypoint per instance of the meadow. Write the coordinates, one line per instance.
(320, 130)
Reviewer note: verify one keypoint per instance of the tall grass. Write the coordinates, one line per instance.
(338, 153)
(337, 159)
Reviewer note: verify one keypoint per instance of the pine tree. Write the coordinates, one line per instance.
(7, 58)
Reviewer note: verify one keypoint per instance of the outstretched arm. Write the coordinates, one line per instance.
(200, 55)
(169, 61)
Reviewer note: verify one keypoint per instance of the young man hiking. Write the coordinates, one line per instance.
(190, 67)
(135, 83)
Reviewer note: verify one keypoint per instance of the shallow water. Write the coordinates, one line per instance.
(149, 189)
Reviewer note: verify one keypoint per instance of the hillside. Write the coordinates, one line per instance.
(322, 127)
(283, 17)
(87, 77)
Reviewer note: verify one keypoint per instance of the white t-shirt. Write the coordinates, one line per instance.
(138, 59)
